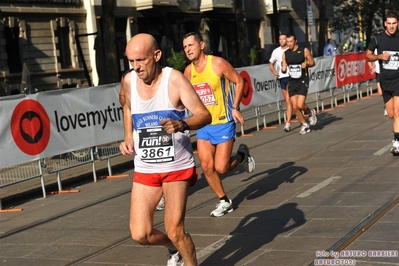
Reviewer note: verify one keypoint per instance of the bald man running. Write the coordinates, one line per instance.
(157, 101)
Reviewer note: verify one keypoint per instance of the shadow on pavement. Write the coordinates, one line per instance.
(254, 231)
(285, 173)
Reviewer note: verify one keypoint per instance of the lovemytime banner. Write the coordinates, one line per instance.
(50, 123)
(45, 124)
(262, 87)
(352, 68)
(322, 75)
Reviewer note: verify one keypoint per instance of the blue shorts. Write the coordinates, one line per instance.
(217, 133)
(284, 82)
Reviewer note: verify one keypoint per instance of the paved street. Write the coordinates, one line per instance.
(309, 194)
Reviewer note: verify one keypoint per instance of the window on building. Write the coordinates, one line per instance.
(11, 35)
(64, 46)
(63, 31)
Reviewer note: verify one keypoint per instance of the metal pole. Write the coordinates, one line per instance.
(383, 11)
(82, 58)
(275, 21)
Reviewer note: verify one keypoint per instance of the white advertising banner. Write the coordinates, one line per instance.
(261, 86)
(45, 124)
(322, 75)
(49, 123)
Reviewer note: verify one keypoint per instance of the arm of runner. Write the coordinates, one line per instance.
(224, 68)
(371, 67)
(309, 59)
(122, 94)
(371, 56)
(126, 146)
(122, 98)
(271, 67)
(187, 72)
(284, 65)
(183, 95)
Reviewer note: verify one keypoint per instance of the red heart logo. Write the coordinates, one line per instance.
(31, 127)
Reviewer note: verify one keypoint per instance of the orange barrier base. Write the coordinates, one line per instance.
(247, 135)
(327, 110)
(65, 191)
(267, 128)
(10, 210)
(117, 176)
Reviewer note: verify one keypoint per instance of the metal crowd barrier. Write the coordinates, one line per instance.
(65, 161)
(56, 164)
(248, 114)
(108, 151)
(321, 96)
(315, 100)
(21, 172)
(270, 109)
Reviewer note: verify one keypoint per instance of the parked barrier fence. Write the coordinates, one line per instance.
(56, 164)
(265, 114)
(22, 172)
(95, 116)
(108, 151)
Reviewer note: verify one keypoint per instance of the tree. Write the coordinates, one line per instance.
(109, 42)
(323, 26)
(241, 33)
(361, 15)
(177, 60)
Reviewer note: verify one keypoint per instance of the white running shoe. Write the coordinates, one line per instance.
(304, 129)
(395, 147)
(248, 162)
(313, 117)
(287, 127)
(385, 112)
(222, 208)
(161, 205)
(175, 259)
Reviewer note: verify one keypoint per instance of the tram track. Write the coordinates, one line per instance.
(360, 229)
(339, 245)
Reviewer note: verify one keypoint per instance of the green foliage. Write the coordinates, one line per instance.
(253, 55)
(176, 60)
(345, 15)
(367, 16)
(353, 14)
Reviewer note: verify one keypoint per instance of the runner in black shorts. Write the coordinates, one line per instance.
(375, 69)
(387, 45)
(297, 60)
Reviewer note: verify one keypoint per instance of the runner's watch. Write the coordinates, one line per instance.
(183, 126)
(236, 108)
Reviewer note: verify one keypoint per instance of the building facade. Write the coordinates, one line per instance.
(55, 44)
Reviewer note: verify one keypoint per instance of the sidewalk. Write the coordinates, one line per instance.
(308, 192)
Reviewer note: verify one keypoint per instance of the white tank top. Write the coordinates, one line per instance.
(155, 150)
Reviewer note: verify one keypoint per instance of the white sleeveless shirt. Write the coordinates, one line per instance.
(155, 150)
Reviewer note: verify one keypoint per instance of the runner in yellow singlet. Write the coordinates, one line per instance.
(210, 77)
